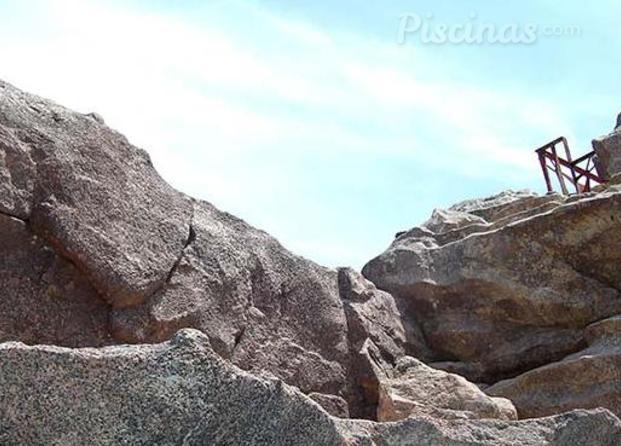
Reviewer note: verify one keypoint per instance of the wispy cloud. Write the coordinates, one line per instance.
(235, 116)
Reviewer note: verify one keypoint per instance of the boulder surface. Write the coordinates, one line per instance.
(182, 392)
(587, 379)
(126, 258)
(96, 250)
(412, 387)
(503, 285)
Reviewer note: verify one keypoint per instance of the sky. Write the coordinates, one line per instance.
(330, 124)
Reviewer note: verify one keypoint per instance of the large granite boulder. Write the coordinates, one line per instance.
(131, 257)
(91, 195)
(44, 298)
(588, 379)
(503, 285)
(413, 388)
(378, 333)
(608, 151)
(182, 392)
(261, 306)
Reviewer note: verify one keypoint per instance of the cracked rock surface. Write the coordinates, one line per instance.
(45, 299)
(182, 392)
(262, 307)
(138, 260)
(96, 250)
(515, 288)
(587, 379)
(91, 195)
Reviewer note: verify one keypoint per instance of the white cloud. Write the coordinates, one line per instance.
(219, 109)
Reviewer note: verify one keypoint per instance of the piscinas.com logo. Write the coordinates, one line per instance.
(426, 29)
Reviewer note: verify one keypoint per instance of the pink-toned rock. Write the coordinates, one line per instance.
(507, 284)
(412, 388)
(588, 379)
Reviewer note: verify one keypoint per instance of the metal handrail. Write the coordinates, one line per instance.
(582, 178)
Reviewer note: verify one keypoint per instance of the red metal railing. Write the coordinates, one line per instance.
(582, 173)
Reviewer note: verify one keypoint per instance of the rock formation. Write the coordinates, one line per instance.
(515, 288)
(587, 379)
(149, 259)
(182, 392)
(236, 340)
(512, 288)
(608, 150)
(412, 388)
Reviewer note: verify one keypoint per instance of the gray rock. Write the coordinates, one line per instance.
(608, 151)
(588, 379)
(44, 299)
(17, 174)
(181, 392)
(91, 195)
(261, 306)
(332, 404)
(577, 428)
(413, 388)
(377, 315)
(499, 297)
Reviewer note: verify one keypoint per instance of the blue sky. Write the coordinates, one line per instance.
(307, 118)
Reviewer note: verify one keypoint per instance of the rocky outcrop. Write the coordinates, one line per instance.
(588, 379)
(412, 388)
(91, 195)
(608, 151)
(44, 297)
(261, 306)
(96, 249)
(503, 285)
(126, 258)
(182, 392)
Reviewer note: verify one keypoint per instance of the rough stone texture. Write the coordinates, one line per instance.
(588, 379)
(608, 151)
(506, 284)
(376, 315)
(94, 197)
(17, 173)
(332, 404)
(577, 428)
(93, 242)
(44, 299)
(175, 393)
(181, 392)
(609, 327)
(412, 388)
(261, 306)
(375, 328)
(161, 260)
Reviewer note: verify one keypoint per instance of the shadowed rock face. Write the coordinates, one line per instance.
(45, 299)
(121, 253)
(608, 150)
(508, 284)
(181, 392)
(91, 195)
(412, 388)
(587, 379)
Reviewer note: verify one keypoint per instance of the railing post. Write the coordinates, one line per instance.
(559, 172)
(544, 168)
(573, 170)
